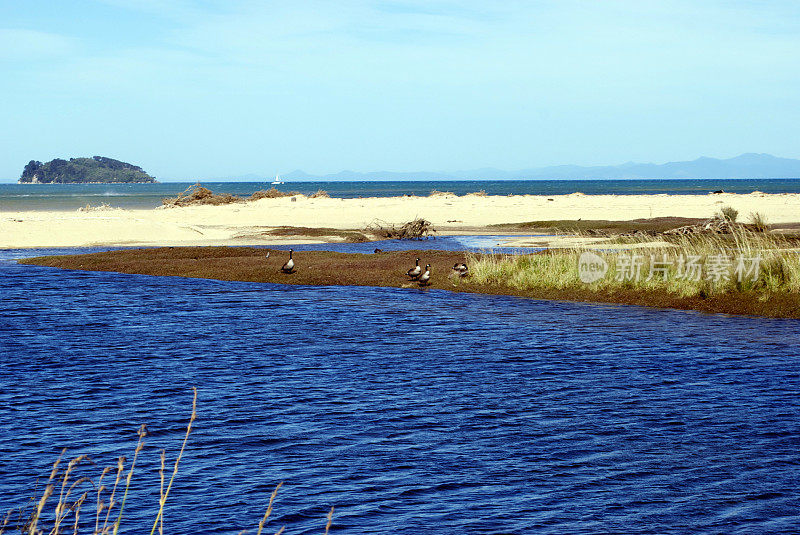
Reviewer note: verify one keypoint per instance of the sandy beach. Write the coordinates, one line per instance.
(249, 223)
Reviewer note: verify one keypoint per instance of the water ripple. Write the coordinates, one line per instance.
(411, 412)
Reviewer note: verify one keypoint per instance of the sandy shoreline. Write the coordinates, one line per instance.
(248, 223)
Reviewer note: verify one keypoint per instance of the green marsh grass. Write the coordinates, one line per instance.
(717, 254)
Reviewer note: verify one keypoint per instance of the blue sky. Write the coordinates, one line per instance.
(217, 88)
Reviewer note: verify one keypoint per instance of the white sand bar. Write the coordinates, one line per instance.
(242, 224)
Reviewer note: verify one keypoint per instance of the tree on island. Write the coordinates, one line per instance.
(82, 171)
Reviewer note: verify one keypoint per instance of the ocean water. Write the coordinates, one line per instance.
(73, 196)
(409, 411)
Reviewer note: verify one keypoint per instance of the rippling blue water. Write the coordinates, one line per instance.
(410, 411)
(73, 196)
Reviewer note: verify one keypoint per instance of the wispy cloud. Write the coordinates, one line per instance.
(32, 45)
(409, 83)
(176, 9)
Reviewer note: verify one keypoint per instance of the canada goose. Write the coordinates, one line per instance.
(461, 269)
(288, 267)
(425, 279)
(414, 272)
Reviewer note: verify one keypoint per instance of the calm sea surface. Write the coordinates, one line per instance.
(410, 411)
(73, 196)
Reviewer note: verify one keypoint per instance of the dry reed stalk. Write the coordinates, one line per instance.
(48, 491)
(100, 504)
(330, 521)
(164, 496)
(111, 502)
(269, 508)
(161, 489)
(63, 508)
(77, 509)
(62, 499)
(142, 432)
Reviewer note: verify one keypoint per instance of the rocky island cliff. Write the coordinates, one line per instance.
(97, 169)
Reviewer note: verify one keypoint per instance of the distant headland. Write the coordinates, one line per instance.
(97, 169)
(748, 165)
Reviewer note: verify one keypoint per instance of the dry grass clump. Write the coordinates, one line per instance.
(437, 193)
(692, 265)
(320, 194)
(728, 213)
(724, 222)
(198, 195)
(758, 222)
(104, 207)
(272, 193)
(74, 492)
(413, 230)
(481, 193)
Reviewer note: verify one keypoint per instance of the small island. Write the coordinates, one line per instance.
(97, 169)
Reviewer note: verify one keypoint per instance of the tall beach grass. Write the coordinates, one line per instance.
(689, 265)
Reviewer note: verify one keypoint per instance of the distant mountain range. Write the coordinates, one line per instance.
(749, 165)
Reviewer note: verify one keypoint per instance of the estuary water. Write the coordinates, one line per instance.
(409, 411)
(21, 197)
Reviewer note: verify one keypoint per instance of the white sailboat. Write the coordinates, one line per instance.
(277, 180)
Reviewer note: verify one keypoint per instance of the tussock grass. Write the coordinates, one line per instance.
(725, 264)
(728, 213)
(758, 222)
(272, 193)
(198, 195)
(319, 194)
(437, 193)
(66, 511)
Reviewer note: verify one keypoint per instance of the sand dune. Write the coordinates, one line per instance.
(245, 224)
